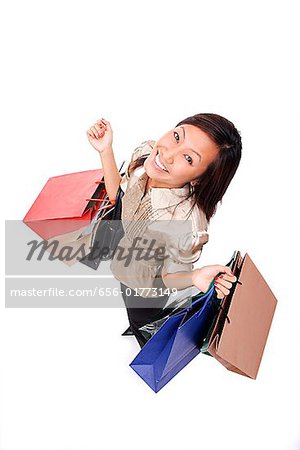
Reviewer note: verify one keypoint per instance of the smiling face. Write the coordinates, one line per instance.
(180, 156)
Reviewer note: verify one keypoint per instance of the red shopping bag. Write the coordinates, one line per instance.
(66, 203)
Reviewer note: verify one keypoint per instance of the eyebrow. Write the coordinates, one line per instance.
(191, 148)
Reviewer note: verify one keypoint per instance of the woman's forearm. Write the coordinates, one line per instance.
(178, 280)
(111, 173)
(202, 278)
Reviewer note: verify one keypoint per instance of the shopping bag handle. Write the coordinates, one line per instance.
(211, 286)
(205, 296)
(208, 298)
(113, 201)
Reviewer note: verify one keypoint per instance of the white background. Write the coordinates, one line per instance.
(144, 66)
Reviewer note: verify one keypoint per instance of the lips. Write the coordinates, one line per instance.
(159, 164)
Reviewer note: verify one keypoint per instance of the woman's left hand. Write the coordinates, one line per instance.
(204, 276)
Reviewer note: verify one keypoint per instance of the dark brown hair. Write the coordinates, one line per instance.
(211, 186)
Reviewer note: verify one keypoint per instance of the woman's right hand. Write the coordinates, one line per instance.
(100, 135)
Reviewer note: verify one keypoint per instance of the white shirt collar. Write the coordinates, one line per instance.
(161, 197)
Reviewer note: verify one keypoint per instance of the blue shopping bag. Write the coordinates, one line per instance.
(177, 341)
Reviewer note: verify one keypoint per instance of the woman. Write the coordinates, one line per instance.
(175, 181)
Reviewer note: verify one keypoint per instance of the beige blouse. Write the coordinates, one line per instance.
(161, 217)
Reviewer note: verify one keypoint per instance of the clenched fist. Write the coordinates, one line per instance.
(100, 135)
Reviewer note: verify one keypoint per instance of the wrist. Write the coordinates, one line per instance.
(108, 150)
(198, 279)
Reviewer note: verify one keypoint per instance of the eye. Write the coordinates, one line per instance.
(190, 160)
(175, 133)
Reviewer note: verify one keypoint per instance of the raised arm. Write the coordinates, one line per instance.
(100, 136)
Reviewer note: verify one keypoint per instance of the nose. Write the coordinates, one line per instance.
(169, 153)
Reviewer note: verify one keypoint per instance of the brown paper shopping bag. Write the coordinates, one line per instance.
(239, 334)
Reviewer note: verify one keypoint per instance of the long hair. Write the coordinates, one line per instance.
(211, 186)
